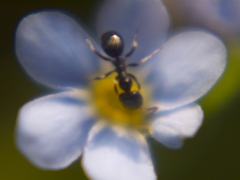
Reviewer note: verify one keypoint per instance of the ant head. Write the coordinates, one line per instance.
(112, 43)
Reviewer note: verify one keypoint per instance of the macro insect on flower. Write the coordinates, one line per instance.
(87, 116)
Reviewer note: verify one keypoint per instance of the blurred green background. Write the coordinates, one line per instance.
(214, 153)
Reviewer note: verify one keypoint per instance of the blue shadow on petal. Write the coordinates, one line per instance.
(70, 101)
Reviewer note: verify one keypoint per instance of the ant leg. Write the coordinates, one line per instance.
(145, 59)
(144, 129)
(115, 85)
(96, 52)
(135, 79)
(152, 110)
(134, 46)
(103, 76)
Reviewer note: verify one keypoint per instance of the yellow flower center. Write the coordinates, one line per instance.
(109, 107)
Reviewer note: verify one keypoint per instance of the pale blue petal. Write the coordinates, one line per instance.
(114, 153)
(52, 49)
(221, 16)
(170, 128)
(186, 68)
(52, 130)
(148, 19)
(229, 10)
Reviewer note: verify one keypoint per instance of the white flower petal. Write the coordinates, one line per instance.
(186, 68)
(172, 127)
(52, 130)
(148, 19)
(114, 153)
(52, 48)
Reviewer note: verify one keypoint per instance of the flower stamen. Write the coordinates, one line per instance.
(108, 105)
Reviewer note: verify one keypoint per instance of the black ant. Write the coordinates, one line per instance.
(113, 44)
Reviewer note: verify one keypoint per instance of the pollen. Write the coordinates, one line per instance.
(108, 106)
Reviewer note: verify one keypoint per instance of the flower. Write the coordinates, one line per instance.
(86, 118)
(220, 16)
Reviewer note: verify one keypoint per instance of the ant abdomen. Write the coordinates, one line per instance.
(132, 100)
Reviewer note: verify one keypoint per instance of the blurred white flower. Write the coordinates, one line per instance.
(55, 130)
(220, 16)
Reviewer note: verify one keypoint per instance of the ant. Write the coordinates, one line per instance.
(113, 45)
